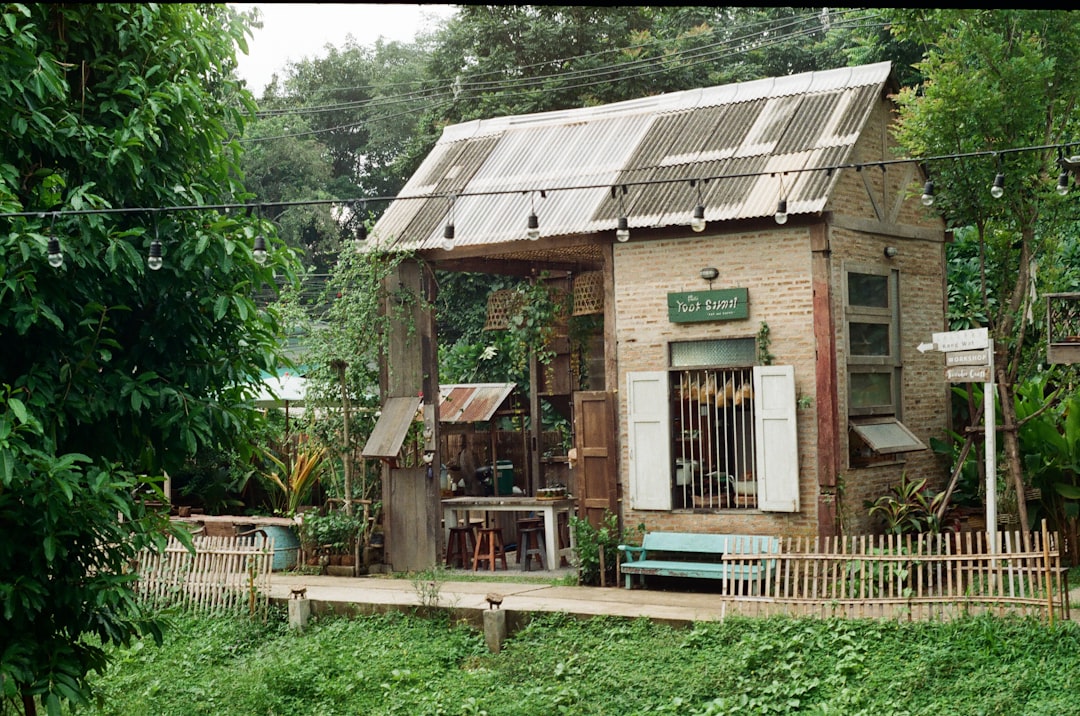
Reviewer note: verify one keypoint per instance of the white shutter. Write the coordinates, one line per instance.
(650, 440)
(776, 447)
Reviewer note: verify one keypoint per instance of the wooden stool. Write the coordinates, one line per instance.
(530, 545)
(489, 547)
(459, 548)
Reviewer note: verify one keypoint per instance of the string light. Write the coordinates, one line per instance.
(998, 189)
(781, 206)
(448, 230)
(697, 219)
(1071, 165)
(258, 248)
(52, 247)
(622, 225)
(533, 225)
(781, 212)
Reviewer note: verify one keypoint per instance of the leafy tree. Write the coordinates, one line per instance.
(283, 164)
(111, 117)
(997, 80)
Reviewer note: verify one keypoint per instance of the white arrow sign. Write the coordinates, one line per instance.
(969, 340)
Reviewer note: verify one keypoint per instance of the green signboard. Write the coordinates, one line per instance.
(727, 304)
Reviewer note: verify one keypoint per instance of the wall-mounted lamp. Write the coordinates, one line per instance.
(709, 273)
(891, 252)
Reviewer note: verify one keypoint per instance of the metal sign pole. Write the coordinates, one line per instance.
(991, 457)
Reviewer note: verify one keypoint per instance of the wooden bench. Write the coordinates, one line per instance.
(704, 556)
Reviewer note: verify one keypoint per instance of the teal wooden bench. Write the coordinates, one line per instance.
(702, 556)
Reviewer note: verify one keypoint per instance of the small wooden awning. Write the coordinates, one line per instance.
(391, 428)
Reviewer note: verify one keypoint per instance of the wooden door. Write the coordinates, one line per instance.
(596, 485)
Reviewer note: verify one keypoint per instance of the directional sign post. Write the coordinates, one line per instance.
(969, 358)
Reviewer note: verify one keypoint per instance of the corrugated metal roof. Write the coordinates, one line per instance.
(471, 402)
(752, 137)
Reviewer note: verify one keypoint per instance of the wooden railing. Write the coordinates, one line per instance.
(913, 577)
(225, 573)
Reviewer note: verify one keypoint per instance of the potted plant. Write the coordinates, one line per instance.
(291, 484)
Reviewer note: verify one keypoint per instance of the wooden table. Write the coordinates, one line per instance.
(234, 521)
(550, 509)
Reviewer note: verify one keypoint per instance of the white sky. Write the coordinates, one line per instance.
(293, 31)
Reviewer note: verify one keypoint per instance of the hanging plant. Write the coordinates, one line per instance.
(533, 323)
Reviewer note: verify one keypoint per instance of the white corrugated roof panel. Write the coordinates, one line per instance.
(770, 129)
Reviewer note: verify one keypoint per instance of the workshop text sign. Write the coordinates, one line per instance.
(726, 304)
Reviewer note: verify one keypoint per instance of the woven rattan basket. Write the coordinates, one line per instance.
(588, 293)
(500, 306)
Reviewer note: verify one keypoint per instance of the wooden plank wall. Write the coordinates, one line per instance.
(225, 574)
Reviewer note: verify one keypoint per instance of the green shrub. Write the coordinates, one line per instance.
(590, 542)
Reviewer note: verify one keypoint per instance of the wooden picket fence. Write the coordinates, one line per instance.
(224, 574)
(910, 576)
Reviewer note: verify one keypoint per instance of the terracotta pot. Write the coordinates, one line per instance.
(347, 560)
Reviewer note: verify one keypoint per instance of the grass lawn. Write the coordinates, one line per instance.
(401, 664)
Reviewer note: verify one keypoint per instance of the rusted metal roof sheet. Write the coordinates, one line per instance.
(471, 402)
(752, 140)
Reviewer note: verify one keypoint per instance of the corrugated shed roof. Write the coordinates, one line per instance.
(752, 138)
(471, 402)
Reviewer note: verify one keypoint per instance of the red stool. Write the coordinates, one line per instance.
(489, 547)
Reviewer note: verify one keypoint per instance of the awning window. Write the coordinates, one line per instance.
(390, 429)
(886, 436)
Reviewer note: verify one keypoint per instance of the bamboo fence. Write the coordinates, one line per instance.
(930, 576)
(224, 574)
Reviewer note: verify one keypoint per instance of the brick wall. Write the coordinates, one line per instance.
(774, 264)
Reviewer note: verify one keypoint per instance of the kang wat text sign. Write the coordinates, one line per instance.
(727, 304)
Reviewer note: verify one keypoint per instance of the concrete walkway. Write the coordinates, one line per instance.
(468, 599)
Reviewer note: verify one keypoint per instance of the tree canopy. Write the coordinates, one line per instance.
(116, 121)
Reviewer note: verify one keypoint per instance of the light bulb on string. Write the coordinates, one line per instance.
(258, 246)
(448, 230)
(258, 251)
(928, 193)
(998, 188)
(781, 212)
(697, 219)
(153, 260)
(1063, 183)
(56, 258)
(533, 227)
(622, 229)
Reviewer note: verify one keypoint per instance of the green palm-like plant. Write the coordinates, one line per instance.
(295, 482)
